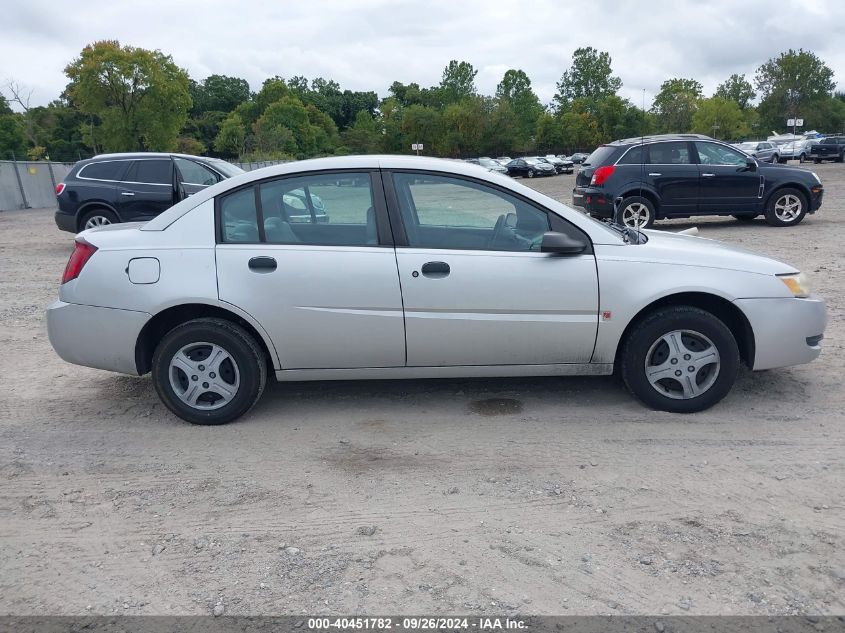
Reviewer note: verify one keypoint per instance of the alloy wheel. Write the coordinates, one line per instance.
(682, 364)
(636, 215)
(204, 376)
(788, 208)
(96, 220)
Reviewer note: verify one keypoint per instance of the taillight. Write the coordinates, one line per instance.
(59, 188)
(82, 252)
(602, 174)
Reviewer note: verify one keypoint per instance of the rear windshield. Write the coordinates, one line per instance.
(601, 156)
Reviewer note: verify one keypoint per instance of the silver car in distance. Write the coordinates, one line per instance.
(416, 268)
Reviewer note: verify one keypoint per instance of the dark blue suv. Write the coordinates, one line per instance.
(136, 187)
(639, 180)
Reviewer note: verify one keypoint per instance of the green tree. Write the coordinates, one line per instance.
(462, 128)
(12, 138)
(218, 93)
(364, 135)
(139, 97)
(738, 89)
(590, 78)
(421, 124)
(285, 128)
(458, 82)
(326, 138)
(791, 85)
(720, 118)
(231, 139)
(675, 104)
(514, 93)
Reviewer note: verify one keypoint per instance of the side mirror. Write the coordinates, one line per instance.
(751, 163)
(562, 244)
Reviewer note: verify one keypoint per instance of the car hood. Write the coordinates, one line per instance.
(690, 250)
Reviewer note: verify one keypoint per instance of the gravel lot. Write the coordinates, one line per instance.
(531, 496)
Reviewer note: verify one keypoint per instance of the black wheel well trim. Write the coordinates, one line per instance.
(167, 319)
(804, 189)
(94, 204)
(643, 192)
(723, 309)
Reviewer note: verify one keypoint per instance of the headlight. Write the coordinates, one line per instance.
(797, 283)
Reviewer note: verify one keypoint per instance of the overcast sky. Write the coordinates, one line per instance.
(367, 44)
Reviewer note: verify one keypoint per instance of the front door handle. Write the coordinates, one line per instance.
(654, 173)
(708, 175)
(126, 193)
(262, 264)
(435, 270)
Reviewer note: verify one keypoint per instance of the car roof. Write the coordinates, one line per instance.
(636, 140)
(136, 155)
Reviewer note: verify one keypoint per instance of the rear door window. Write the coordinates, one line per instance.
(673, 153)
(157, 171)
(633, 156)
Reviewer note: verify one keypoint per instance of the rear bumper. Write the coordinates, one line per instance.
(65, 221)
(594, 201)
(786, 331)
(103, 338)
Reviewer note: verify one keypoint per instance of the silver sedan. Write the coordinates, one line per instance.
(416, 268)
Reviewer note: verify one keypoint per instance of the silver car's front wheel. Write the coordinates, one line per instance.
(682, 364)
(209, 371)
(680, 359)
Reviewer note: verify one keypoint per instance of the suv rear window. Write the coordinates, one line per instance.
(105, 170)
(601, 156)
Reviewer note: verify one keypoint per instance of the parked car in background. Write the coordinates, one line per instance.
(428, 269)
(796, 150)
(561, 166)
(504, 160)
(639, 180)
(578, 157)
(763, 151)
(112, 188)
(492, 165)
(529, 167)
(829, 148)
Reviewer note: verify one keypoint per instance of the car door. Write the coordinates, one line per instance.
(193, 176)
(146, 189)
(326, 291)
(728, 184)
(672, 173)
(475, 287)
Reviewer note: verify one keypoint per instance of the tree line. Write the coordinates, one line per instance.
(123, 98)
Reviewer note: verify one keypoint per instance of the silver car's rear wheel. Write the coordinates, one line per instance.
(209, 370)
(682, 364)
(204, 376)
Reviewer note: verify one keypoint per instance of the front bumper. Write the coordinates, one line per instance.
(594, 201)
(786, 331)
(816, 195)
(103, 338)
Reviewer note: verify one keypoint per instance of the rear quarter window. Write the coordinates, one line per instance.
(105, 170)
(603, 155)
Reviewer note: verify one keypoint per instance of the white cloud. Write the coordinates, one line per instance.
(367, 44)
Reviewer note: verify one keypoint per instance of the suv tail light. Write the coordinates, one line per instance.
(602, 174)
(59, 188)
(82, 252)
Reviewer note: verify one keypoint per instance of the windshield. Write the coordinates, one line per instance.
(531, 161)
(227, 169)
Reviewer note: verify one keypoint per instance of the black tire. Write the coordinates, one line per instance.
(775, 159)
(250, 367)
(816, 161)
(776, 218)
(745, 217)
(840, 158)
(802, 157)
(105, 216)
(530, 173)
(630, 201)
(644, 341)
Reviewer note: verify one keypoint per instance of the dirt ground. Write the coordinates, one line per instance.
(530, 496)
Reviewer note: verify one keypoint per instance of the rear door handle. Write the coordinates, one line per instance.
(126, 193)
(654, 173)
(435, 270)
(262, 264)
(708, 175)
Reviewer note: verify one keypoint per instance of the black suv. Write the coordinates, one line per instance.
(132, 187)
(639, 180)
